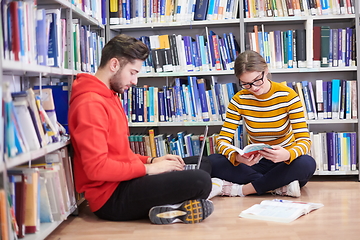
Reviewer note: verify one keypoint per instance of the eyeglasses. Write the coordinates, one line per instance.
(256, 83)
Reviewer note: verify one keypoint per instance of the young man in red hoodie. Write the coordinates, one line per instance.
(120, 185)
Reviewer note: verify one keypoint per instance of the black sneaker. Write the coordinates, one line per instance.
(190, 211)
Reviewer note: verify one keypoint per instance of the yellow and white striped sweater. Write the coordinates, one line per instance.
(275, 118)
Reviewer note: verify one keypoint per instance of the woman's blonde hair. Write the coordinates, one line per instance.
(249, 61)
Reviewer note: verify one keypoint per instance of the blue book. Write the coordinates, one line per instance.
(201, 9)
(348, 46)
(188, 53)
(203, 100)
(42, 44)
(335, 98)
(220, 98)
(210, 10)
(151, 111)
(211, 49)
(223, 58)
(261, 43)
(188, 145)
(196, 56)
(329, 99)
(234, 47)
(308, 104)
(203, 52)
(338, 137)
(312, 99)
(196, 97)
(134, 104)
(348, 100)
(212, 103)
(178, 100)
(140, 104)
(181, 146)
(342, 99)
(161, 106)
(128, 11)
(22, 37)
(190, 101)
(162, 10)
(290, 48)
(166, 107)
(53, 51)
(231, 87)
(353, 151)
(331, 152)
(171, 103)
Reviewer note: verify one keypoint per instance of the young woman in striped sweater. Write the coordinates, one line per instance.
(273, 114)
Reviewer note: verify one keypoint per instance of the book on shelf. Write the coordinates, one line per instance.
(248, 150)
(278, 210)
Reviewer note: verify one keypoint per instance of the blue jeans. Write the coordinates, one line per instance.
(266, 175)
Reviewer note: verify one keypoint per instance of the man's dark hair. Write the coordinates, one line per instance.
(125, 49)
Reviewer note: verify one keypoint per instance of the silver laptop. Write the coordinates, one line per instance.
(197, 165)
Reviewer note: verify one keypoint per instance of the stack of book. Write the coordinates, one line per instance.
(335, 99)
(165, 11)
(284, 8)
(182, 143)
(41, 194)
(315, 47)
(188, 100)
(334, 151)
(38, 36)
(177, 53)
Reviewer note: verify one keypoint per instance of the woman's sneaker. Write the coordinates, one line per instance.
(190, 211)
(291, 190)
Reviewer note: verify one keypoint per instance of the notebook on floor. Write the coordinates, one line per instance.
(197, 165)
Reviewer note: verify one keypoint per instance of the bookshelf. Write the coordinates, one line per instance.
(240, 27)
(27, 73)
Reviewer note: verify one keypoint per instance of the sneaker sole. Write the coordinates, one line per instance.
(190, 211)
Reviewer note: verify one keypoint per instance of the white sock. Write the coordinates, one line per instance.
(240, 192)
(232, 189)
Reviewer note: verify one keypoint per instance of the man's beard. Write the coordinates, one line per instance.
(114, 83)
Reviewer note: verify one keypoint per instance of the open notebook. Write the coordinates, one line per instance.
(197, 165)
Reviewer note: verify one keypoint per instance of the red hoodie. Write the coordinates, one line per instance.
(99, 134)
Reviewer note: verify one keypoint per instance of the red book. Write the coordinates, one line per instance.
(216, 52)
(317, 46)
(15, 32)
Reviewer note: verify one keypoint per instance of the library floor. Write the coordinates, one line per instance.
(338, 219)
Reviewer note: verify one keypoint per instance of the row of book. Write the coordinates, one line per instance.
(174, 53)
(286, 8)
(191, 100)
(87, 47)
(38, 36)
(288, 49)
(93, 8)
(335, 151)
(43, 193)
(335, 99)
(181, 143)
(164, 11)
(30, 120)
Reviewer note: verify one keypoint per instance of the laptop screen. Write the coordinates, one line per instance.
(202, 146)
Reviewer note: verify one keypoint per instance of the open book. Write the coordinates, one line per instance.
(279, 210)
(249, 149)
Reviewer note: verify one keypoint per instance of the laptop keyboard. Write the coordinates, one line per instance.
(190, 166)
